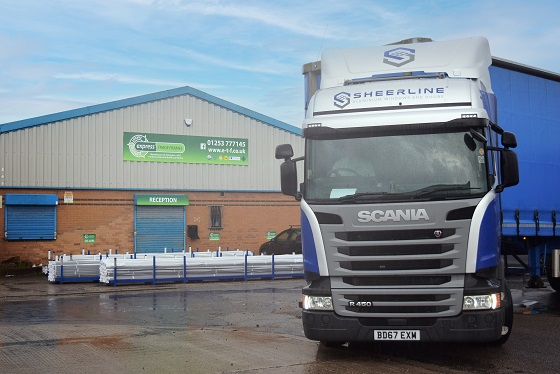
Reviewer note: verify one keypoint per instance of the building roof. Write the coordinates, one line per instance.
(93, 109)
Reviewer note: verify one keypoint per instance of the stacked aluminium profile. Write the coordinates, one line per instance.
(183, 268)
(76, 268)
(171, 267)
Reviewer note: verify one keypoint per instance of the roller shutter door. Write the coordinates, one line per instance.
(159, 227)
(30, 217)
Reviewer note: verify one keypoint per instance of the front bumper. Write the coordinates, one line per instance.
(472, 326)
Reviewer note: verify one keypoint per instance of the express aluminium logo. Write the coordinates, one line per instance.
(139, 147)
(399, 56)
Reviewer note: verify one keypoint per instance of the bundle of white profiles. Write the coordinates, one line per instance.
(76, 267)
(154, 267)
(198, 268)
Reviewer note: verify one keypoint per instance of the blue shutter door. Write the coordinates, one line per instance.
(30, 222)
(159, 227)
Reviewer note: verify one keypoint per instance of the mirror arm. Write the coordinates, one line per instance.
(496, 128)
(299, 195)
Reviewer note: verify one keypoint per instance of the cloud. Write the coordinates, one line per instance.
(23, 107)
(279, 15)
(248, 51)
(268, 67)
(117, 78)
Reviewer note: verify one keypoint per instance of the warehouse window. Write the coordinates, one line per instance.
(216, 212)
(30, 217)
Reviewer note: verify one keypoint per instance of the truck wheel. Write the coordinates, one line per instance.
(554, 282)
(508, 322)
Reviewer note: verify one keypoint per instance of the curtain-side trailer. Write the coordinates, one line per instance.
(529, 103)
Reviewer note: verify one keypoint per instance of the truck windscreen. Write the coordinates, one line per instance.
(426, 166)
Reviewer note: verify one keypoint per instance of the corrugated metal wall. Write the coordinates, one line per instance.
(87, 151)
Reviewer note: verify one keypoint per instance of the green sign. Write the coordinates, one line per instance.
(214, 236)
(270, 235)
(89, 238)
(161, 199)
(185, 149)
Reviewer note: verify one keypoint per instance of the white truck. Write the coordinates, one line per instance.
(400, 200)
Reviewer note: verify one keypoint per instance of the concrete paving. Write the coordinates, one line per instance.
(232, 327)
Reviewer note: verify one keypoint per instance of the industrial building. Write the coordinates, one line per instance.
(159, 172)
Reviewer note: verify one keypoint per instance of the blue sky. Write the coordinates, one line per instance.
(65, 54)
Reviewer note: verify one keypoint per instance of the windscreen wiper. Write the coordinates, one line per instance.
(443, 188)
(362, 196)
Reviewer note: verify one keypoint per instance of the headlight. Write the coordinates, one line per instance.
(481, 302)
(316, 302)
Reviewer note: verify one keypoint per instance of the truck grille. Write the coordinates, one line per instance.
(398, 303)
(397, 281)
(355, 236)
(391, 250)
(397, 269)
(396, 265)
(390, 304)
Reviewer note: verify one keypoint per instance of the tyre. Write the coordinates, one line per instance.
(554, 282)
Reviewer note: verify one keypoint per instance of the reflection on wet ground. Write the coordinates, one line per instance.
(239, 327)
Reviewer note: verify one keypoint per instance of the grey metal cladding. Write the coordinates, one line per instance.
(87, 151)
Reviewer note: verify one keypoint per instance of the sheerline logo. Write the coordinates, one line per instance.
(393, 215)
(341, 99)
(399, 56)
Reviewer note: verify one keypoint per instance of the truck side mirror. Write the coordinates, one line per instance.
(288, 178)
(288, 170)
(509, 140)
(509, 169)
(284, 151)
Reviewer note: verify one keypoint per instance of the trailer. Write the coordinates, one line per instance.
(529, 103)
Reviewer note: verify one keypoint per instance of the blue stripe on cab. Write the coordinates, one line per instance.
(310, 263)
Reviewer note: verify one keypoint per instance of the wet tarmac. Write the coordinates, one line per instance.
(233, 327)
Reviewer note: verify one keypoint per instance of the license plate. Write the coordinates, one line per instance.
(396, 334)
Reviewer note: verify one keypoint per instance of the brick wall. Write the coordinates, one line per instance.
(110, 215)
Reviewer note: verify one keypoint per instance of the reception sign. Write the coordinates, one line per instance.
(161, 199)
(185, 149)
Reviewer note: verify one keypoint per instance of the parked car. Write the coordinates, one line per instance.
(287, 242)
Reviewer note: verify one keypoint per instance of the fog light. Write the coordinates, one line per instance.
(316, 302)
(481, 302)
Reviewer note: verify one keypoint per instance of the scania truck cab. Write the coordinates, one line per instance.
(400, 200)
